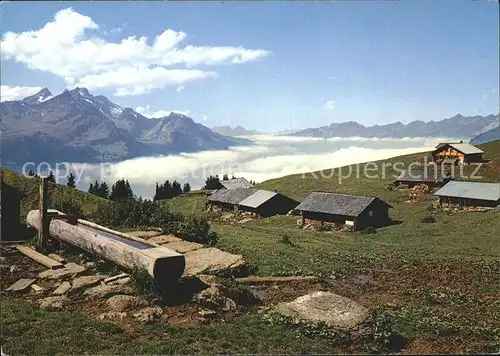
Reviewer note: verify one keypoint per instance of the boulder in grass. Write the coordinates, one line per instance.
(328, 308)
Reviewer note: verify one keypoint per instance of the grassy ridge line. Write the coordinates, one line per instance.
(29, 189)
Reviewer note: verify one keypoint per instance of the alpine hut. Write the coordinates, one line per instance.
(341, 209)
(469, 194)
(454, 153)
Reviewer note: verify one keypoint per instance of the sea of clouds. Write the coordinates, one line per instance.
(268, 157)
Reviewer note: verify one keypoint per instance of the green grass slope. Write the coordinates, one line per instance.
(58, 194)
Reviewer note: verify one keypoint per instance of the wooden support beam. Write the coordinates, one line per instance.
(38, 257)
(43, 232)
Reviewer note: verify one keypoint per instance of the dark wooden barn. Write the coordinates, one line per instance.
(340, 209)
(227, 199)
(266, 203)
(10, 213)
(454, 153)
(469, 194)
(433, 176)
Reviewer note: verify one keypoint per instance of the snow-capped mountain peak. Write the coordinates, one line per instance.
(41, 96)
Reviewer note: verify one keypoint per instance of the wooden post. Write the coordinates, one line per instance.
(43, 232)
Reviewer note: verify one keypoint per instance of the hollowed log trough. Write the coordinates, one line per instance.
(164, 265)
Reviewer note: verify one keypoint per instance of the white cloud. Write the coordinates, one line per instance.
(146, 111)
(8, 93)
(65, 47)
(180, 88)
(270, 157)
(330, 105)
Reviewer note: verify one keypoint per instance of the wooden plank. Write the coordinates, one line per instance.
(114, 278)
(56, 257)
(38, 257)
(277, 279)
(43, 233)
(21, 285)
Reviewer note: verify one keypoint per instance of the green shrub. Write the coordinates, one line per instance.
(139, 213)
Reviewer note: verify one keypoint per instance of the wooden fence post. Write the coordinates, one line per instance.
(43, 232)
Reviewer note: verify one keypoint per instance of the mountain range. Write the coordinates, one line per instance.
(457, 126)
(236, 131)
(76, 126)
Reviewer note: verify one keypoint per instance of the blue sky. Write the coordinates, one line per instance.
(285, 65)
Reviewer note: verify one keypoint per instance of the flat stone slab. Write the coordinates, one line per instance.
(62, 288)
(164, 239)
(210, 259)
(86, 281)
(69, 269)
(183, 246)
(21, 285)
(325, 307)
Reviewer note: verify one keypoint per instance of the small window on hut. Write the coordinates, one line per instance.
(370, 213)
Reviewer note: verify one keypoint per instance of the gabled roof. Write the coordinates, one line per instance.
(465, 148)
(257, 199)
(337, 204)
(431, 174)
(236, 183)
(231, 196)
(470, 190)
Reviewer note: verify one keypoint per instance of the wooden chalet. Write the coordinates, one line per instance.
(261, 202)
(433, 176)
(455, 153)
(266, 203)
(340, 209)
(227, 199)
(469, 194)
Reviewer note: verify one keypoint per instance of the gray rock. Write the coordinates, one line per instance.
(325, 307)
(183, 246)
(216, 297)
(68, 270)
(53, 303)
(86, 281)
(21, 285)
(123, 303)
(62, 288)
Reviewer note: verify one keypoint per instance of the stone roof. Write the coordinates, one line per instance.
(231, 196)
(470, 190)
(336, 204)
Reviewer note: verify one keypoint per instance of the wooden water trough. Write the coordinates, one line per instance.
(127, 251)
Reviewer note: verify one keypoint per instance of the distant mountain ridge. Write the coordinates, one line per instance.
(457, 126)
(488, 136)
(236, 131)
(76, 126)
